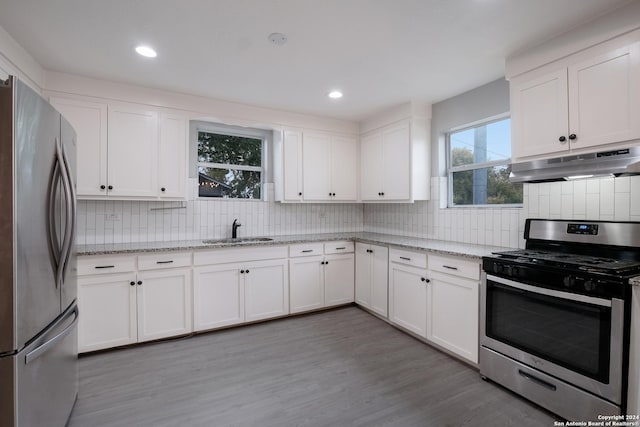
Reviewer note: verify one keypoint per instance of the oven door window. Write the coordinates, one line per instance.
(572, 334)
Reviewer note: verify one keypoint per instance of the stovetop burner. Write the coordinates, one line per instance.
(572, 261)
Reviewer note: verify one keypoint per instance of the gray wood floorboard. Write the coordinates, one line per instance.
(337, 368)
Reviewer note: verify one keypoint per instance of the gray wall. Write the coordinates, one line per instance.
(477, 104)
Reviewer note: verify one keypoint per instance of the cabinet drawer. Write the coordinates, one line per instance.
(338, 247)
(221, 256)
(164, 260)
(456, 266)
(407, 257)
(106, 264)
(306, 249)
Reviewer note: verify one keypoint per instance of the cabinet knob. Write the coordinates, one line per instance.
(132, 283)
(562, 138)
(573, 136)
(424, 279)
(334, 194)
(379, 194)
(247, 271)
(382, 194)
(241, 271)
(102, 187)
(110, 187)
(163, 189)
(300, 194)
(139, 282)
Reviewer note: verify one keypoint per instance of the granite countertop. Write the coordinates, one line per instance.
(440, 246)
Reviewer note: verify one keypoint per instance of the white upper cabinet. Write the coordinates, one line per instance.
(89, 119)
(316, 166)
(329, 165)
(128, 151)
(587, 101)
(292, 166)
(172, 153)
(132, 155)
(394, 163)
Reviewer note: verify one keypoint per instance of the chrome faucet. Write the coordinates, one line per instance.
(234, 228)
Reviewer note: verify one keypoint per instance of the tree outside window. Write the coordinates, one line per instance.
(229, 166)
(479, 166)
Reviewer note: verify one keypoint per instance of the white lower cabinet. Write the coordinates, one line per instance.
(408, 298)
(124, 299)
(107, 306)
(164, 303)
(266, 290)
(319, 281)
(339, 279)
(120, 309)
(452, 314)
(306, 287)
(235, 293)
(371, 287)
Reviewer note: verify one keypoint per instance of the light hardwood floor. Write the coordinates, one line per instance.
(342, 367)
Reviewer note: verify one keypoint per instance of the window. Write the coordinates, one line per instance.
(229, 163)
(479, 165)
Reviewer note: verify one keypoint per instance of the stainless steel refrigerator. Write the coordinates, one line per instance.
(38, 311)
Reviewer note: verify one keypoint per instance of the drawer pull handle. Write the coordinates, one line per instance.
(537, 380)
(164, 262)
(449, 267)
(307, 251)
(341, 248)
(405, 258)
(105, 266)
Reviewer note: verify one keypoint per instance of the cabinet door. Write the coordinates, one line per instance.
(371, 166)
(306, 290)
(339, 279)
(408, 298)
(173, 148)
(539, 115)
(344, 167)
(634, 356)
(316, 155)
(604, 98)
(292, 165)
(396, 167)
(266, 289)
(133, 151)
(89, 120)
(379, 279)
(164, 303)
(108, 311)
(452, 314)
(363, 275)
(218, 296)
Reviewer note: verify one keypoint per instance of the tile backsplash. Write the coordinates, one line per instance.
(136, 221)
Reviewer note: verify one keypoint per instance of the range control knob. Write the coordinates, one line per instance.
(589, 285)
(569, 282)
(497, 268)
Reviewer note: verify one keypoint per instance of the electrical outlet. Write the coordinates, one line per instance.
(112, 217)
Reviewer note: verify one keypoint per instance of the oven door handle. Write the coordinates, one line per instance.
(550, 292)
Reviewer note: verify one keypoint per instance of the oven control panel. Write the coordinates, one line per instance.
(591, 229)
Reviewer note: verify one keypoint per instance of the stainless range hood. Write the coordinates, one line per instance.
(616, 162)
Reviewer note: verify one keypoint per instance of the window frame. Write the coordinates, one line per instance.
(450, 170)
(221, 129)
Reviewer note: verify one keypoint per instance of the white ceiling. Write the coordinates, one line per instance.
(379, 52)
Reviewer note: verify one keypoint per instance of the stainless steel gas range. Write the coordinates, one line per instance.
(556, 316)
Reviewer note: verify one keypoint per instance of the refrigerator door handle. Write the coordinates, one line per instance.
(42, 348)
(54, 246)
(68, 228)
(71, 213)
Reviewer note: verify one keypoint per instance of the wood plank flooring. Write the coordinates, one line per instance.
(337, 368)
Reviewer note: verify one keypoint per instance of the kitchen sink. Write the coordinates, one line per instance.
(240, 240)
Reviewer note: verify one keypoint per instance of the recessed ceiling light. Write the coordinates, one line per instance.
(146, 51)
(335, 94)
